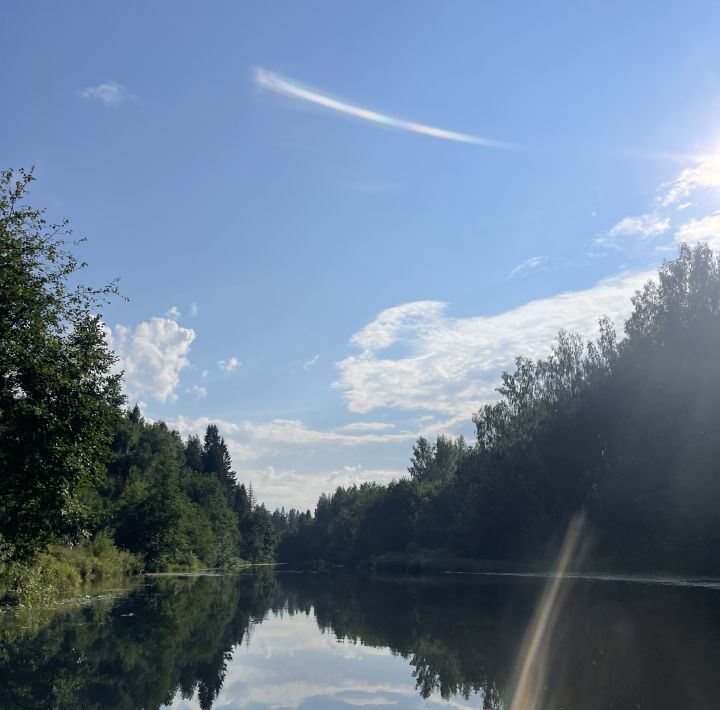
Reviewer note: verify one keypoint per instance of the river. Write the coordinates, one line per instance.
(340, 639)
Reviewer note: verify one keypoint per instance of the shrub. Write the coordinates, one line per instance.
(62, 573)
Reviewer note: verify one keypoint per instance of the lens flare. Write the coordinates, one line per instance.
(286, 87)
(532, 662)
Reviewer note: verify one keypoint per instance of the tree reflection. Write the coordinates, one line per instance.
(616, 645)
(175, 634)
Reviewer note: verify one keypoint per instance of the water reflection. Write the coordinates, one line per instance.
(265, 640)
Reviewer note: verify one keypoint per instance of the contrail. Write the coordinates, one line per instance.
(286, 87)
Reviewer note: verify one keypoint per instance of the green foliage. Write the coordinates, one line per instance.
(436, 463)
(260, 535)
(58, 393)
(627, 431)
(177, 504)
(72, 464)
(40, 583)
(99, 560)
(62, 572)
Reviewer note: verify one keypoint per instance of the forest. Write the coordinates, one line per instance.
(623, 431)
(89, 488)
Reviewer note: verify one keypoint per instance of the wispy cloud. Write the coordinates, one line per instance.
(197, 391)
(111, 94)
(643, 226)
(367, 426)
(262, 451)
(173, 313)
(229, 365)
(252, 440)
(631, 234)
(526, 266)
(194, 309)
(311, 362)
(703, 175)
(287, 87)
(705, 229)
(450, 366)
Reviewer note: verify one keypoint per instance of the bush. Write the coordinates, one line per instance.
(46, 580)
(99, 559)
(62, 573)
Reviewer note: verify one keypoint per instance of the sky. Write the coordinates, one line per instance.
(337, 223)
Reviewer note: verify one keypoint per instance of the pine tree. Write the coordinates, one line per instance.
(216, 457)
(194, 454)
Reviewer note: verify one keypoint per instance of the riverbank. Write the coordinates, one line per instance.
(88, 570)
(62, 573)
(429, 562)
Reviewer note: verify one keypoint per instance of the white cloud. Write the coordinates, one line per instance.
(276, 487)
(229, 365)
(111, 94)
(413, 357)
(290, 641)
(254, 444)
(152, 356)
(414, 318)
(197, 391)
(527, 266)
(194, 309)
(249, 440)
(703, 175)
(451, 365)
(644, 225)
(311, 362)
(173, 313)
(287, 87)
(367, 426)
(705, 229)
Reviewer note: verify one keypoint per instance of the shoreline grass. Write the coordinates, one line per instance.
(61, 573)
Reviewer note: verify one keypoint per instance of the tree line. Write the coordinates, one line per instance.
(177, 503)
(74, 462)
(624, 431)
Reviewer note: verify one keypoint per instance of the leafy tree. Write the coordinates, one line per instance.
(260, 537)
(163, 505)
(436, 463)
(625, 430)
(58, 389)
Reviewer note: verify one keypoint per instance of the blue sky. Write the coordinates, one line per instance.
(327, 283)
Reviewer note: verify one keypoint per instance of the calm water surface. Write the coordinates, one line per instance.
(332, 640)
